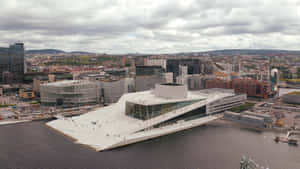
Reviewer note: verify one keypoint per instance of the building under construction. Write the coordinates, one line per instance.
(70, 93)
(253, 88)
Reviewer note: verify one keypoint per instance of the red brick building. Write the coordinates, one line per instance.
(253, 88)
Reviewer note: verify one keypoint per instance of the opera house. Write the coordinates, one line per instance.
(144, 115)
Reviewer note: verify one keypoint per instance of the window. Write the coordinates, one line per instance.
(147, 112)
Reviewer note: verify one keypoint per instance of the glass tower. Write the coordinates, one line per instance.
(12, 60)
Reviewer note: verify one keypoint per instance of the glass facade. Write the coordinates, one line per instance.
(12, 60)
(147, 112)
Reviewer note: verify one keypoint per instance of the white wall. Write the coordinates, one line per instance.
(170, 92)
(169, 77)
(157, 62)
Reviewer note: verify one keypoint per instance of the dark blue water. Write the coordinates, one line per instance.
(34, 146)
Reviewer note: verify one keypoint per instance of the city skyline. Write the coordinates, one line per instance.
(151, 26)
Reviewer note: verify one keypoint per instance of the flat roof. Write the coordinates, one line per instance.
(252, 117)
(148, 98)
(66, 83)
(257, 114)
(216, 90)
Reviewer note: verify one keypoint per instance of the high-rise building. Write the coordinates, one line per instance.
(149, 70)
(194, 66)
(12, 60)
(148, 76)
(4, 61)
(7, 77)
(183, 74)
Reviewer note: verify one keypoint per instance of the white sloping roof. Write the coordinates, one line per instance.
(148, 98)
(110, 126)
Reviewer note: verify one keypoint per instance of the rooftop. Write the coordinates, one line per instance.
(67, 83)
(252, 117)
(257, 114)
(148, 98)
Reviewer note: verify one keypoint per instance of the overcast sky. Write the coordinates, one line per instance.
(150, 26)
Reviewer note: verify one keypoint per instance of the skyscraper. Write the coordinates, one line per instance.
(4, 61)
(12, 60)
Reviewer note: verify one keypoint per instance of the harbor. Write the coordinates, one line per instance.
(10, 122)
(199, 147)
(292, 138)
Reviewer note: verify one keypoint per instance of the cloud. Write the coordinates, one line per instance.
(150, 26)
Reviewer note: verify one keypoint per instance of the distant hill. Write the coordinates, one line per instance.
(253, 52)
(81, 52)
(234, 52)
(44, 51)
(225, 52)
(56, 51)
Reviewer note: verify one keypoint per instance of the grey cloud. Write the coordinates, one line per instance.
(118, 26)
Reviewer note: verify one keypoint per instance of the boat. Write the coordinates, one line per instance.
(293, 142)
(277, 139)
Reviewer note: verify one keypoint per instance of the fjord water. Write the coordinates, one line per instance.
(34, 146)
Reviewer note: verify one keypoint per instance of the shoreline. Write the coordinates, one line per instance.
(11, 122)
(68, 137)
(227, 123)
(218, 122)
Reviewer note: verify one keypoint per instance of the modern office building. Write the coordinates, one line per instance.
(12, 60)
(168, 77)
(194, 66)
(157, 62)
(148, 76)
(197, 82)
(80, 92)
(143, 83)
(252, 88)
(69, 93)
(7, 77)
(193, 81)
(166, 109)
(183, 74)
(249, 118)
(291, 98)
(148, 70)
(112, 90)
(4, 62)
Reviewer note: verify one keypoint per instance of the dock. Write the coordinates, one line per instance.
(289, 138)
